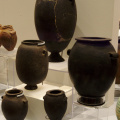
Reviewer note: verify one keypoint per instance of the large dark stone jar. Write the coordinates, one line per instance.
(92, 67)
(14, 105)
(55, 22)
(118, 71)
(55, 104)
(32, 63)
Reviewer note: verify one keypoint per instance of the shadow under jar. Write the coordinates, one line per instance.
(92, 67)
(55, 22)
(32, 63)
(14, 105)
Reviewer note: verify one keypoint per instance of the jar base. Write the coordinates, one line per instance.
(31, 87)
(91, 101)
(55, 57)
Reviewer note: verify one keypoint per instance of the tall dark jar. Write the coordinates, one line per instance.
(32, 63)
(55, 22)
(118, 70)
(92, 67)
(55, 104)
(14, 105)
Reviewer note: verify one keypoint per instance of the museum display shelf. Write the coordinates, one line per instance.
(61, 66)
(5, 57)
(3, 87)
(36, 102)
(6, 53)
(85, 112)
(79, 112)
(92, 109)
(88, 113)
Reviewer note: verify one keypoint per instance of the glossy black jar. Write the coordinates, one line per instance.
(55, 22)
(55, 104)
(92, 67)
(32, 63)
(118, 70)
(14, 105)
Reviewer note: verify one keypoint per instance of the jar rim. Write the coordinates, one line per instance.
(55, 92)
(93, 39)
(33, 42)
(14, 92)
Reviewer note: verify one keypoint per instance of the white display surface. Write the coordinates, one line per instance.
(59, 66)
(36, 103)
(92, 113)
(4, 52)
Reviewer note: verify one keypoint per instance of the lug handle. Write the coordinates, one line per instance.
(114, 55)
(25, 101)
(2, 97)
(68, 52)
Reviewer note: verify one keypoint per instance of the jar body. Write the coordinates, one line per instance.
(118, 71)
(32, 64)
(55, 105)
(14, 107)
(55, 23)
(92, 67)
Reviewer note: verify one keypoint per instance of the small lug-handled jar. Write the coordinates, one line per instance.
(14, 105)
(32, 63)
(55, 104)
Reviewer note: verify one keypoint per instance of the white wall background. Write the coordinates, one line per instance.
(98, 18)
(94, 18)
(20, 14)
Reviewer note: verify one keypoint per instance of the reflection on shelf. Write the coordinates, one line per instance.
(5, 57)
(61, 66)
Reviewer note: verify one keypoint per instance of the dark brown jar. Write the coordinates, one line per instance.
(55, 22)
(92, 67)
(55, 104)
(14, 105)
(32, 63)
(118, 70)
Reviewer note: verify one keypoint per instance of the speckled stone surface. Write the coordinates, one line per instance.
(118, 109)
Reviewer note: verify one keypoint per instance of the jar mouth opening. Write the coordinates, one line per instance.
(55, 92)
(14, 92)
(33, 42)
(93, 39)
